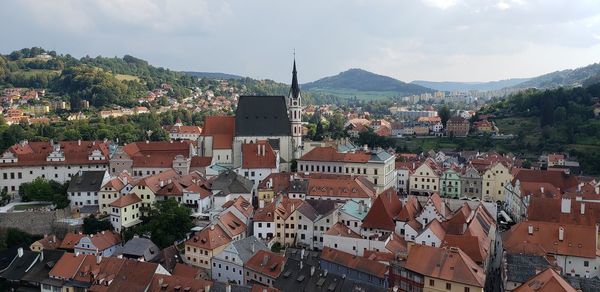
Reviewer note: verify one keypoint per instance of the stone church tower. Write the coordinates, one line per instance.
(295, 113)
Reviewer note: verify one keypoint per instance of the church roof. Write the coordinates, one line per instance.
(294, 89)
(262, 116)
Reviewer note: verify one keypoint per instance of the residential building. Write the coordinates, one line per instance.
(181, 132)
(229, 185)
(471, 183)
(153, 157)
(352, 213)
(457, 127)
(26, 161)
(228, 266)
(546, 281)
(84, 188)
(259, 160)
(450, 183)
(49, 242)
(354, 267)
(216, 140)
(376, 165)
(494, 179)
(141, 248)
(264, 267)
(200, 249)
(125, 212)
(103, 243)
(440, 269)
(117, 186)
(426, 178)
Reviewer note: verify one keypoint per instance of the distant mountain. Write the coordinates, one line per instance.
(357, 82)
(213, 75)
(464, 86)
(565, 78)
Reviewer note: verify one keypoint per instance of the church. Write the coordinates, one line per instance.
(276, 120)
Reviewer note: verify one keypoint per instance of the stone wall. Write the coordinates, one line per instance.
(33, 222)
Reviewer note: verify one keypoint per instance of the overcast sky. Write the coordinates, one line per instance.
(439, 40)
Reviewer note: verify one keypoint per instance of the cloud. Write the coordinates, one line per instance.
(419, 39)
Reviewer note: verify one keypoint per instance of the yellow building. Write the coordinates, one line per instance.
(48, 242)
(426, 178)
(200, 249)
(125, 212)
(494, 179)
(448, 269)
(285, 221)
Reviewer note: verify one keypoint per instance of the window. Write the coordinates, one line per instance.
(431, 282)
(448, 286)
(467, 289)
(586, 263)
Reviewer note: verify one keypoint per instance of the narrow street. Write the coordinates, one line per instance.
(493, 280)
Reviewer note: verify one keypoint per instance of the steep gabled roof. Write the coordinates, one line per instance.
(262, 116)
(546, 281)
(385, 208)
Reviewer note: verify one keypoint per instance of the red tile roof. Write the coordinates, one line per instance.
(126, 200)
(67, 266)
(209, 238)
(266, 263)
(70, 240)
(231, 224)
(164, 283)
(450, 264)
(105, 239)
(578, 240)
(339, 229)
(361, 264)
(183, 129)
(331, 154)
(558, 179)
(50, 242)
(157, 153)
(258, 155)
(222, 129)
(185, 271)
(385, 208)
(342, 187)
(75, 153)
(549, 210)
(546, 281)
(410, 209)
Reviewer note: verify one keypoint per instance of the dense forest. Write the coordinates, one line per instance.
(565, 121)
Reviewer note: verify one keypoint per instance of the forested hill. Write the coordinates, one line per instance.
(566, 78)
(554, 120)
(364, 81)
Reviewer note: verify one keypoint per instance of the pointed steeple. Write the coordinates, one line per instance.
(295, 89)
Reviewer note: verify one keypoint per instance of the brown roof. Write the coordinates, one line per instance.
(267, 263)
(67, 266)
(578, 240)
(558, 179)
(362, 264)
(331, 154)
(75, 152)
(549, 210)
(265, 214)
(467, 243)
(546, 281)
(231, 224)
(241, 205)
(343, 187)
(126, 200)
(222, 129)
(339, 229)
(410, 209)
(176, 283)
(70, 240)
(209, 238)
(154, 181)
(157, 153)
(50, 242)
(385, 208)
(183, 129)
(185, 271)
(261, 288)
(258, 155)
(450, 264)
(437, 229)
(105, 239)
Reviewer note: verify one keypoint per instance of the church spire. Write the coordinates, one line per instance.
(295, 89)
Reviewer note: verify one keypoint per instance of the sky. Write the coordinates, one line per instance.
(436, 40)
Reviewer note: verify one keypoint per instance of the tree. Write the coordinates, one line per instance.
(92, 225)
(444, 114)
(167, 222)
(41, 189)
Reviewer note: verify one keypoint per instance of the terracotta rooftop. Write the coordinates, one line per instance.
(267, 263)
(450, 264)
(339, 229)
(126, 200)
(209, 238)
(70, 240)
(258, 155)
(343, 187)
(222, 129)
(361, 264)
(75, 153)
(546, 281)
(331, 154)
(383, 211)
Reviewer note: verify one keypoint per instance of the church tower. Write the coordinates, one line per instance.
(295, 112)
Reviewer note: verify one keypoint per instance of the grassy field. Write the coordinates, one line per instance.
(31, 206)
(365, 95)
(124, 77)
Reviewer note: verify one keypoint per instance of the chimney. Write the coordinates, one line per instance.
(582, 208)
(565, 205)
(79, 142)
(530, 229)
(542, 190)
(258, 149)
(42, 255)
(349, 231)
(160, 281)
(53, 238)
(252, 248)
(228, 288)
(20, 252)
(207, 288)
(561, 233)
(301, 254)
(312, 270)
(98, 259)
(325, 273)
(301, 265)
(212, 227)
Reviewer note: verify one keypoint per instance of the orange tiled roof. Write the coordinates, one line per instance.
(75, 152)
(126, 200)
(165, 283)
(339, 229)
(385, 208)
(266, 263)
(546, 281)
(70, 240)
(331, 154)
(450, 264)
(258, 155)
(354, 262)
(222, 129)
(209, 238)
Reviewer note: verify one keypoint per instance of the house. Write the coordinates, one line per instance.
(84, 187)
(239, 207)
(573, 246)
(264, 222)
(125, 212)
(341, 188)
(141, 248)
(18, 266)
(259, 160)
(228, 266)
(37, 275)
(434, 209)
(103, 243)
(200, 248)
(382, 214)
(471, 183)
(403, 171)
(354, 267)
(494, 179)
(153, 157)
(520, 267)
(450, 183)
(485, 126)
(313, 219)
(376, 165)
(181, 132)
(49, 242)
(352, 213)
(69, 241)
(117, 186)
(285, 222)
(164, 283)
(438, 269)
(425, 178)
(546, 281)
(228, 186)
(457, 127)
(264, 267)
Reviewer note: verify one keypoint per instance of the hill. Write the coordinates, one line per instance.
(465, 86)
(212, 75)
(558, 120)
(361, 83)
(565, 78)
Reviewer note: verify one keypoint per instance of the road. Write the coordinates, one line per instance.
(493, 281)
